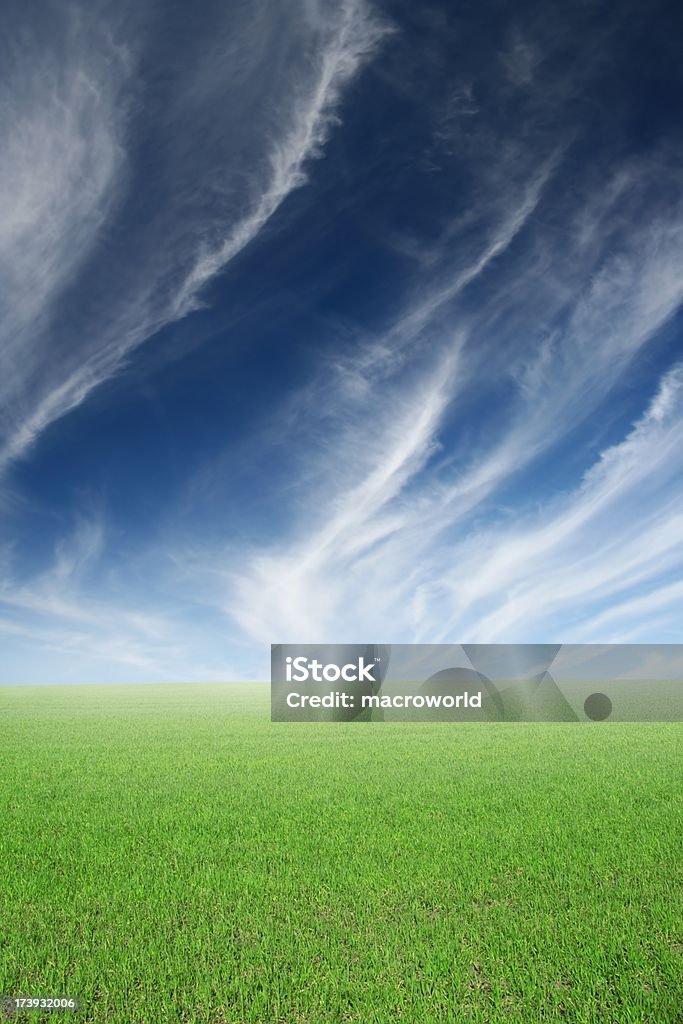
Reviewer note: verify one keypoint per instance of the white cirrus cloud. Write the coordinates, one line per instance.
(70, 154)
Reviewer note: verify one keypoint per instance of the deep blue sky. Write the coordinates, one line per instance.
(331, 320)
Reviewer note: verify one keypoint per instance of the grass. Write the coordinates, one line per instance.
(168, 854)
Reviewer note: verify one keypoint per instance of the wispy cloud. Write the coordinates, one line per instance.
(88, 275)
(420, 564)
(345, 42)
(66, 161)
(91, 626)
(409, 576)
(622, 527)
(299, 591)
(61, 166)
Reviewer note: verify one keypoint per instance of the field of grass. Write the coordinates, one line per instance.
(168, 854)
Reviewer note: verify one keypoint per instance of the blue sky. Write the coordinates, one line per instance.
(335, 320)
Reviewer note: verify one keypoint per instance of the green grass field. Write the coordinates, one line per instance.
(168, 854)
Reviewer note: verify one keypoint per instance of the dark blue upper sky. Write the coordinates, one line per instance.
(334, 319)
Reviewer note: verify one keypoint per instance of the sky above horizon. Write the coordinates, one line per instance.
(336, 321)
